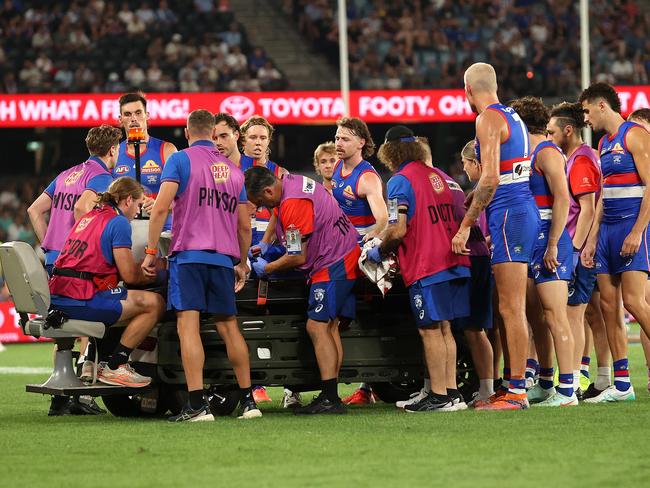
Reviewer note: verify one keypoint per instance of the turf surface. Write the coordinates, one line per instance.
(591, 445)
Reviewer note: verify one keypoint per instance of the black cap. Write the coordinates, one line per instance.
(399, 133)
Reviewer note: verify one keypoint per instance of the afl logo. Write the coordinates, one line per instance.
(239, 107)
(120, 170)
(220, 172)
(437, 183)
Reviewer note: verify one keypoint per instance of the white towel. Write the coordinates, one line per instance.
(382, 273)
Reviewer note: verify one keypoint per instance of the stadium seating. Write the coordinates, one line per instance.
(98, 46)
(533, 44)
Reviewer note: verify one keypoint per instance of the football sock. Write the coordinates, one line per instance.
(546, 378)
(120, 356)
(196, 399)
(604, 378)
(330, 390)
(485, 389)
(621, 375)
(566, 384)
(584, 366)
(532, 368)
(517, 386)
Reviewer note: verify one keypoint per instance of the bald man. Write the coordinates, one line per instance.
(503, 149)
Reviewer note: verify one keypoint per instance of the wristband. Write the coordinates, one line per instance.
(150, 251)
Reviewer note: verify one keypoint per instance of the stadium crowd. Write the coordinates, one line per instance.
(534, 44)
(97, 46)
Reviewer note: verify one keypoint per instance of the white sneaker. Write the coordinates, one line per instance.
(538, 394)
(458, 404)
(124, 375)
(559, 400)
(611, 394)
(530, 382)
(88, 371)
(291, 400)
(415, 398)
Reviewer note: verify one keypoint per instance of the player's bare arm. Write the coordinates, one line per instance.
(490, 129)
(36, 213)
(85, 204)
(551, 163)
(157, 218)
(370, 188)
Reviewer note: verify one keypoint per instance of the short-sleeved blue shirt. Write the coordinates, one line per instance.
(177, 170)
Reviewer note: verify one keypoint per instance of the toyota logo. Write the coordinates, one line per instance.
(239, 107)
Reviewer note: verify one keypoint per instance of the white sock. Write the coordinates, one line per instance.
(604, 378)
(576, 379)
(427, 384)
(485, 389)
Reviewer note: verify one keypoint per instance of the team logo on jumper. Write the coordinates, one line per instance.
(150, 167)
(319, 294)
(73, 177)
(308, 185)
(417, 301)
(239, 107)
(220, 172)
(83, 223)
(617, 159)
(436, 183)
(122, 169)
(348, 193)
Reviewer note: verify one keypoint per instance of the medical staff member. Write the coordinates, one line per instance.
(95, 257)
(211, 235)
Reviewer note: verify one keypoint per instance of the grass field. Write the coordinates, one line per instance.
(591, 445)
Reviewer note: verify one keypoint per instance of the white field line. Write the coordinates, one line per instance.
(23, 370)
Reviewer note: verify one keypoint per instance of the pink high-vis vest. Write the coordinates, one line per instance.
(333, 237)
(70, 184)
(574, 207)
(426, 247)
(204, 216)
(82, 252)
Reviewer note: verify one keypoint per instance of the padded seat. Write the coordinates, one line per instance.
(27, 282)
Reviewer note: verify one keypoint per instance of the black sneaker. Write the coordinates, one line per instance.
(60, 405)
(591, 392)
(432, 403)
(248, 409)
(188, 414)
(320, 404)
(580, 395)
(85, 405)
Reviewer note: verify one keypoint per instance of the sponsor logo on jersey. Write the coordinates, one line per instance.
(150, 167)
(349, 193)
(220, 172)
(618, 148)
(73, 177)
(122, 169)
